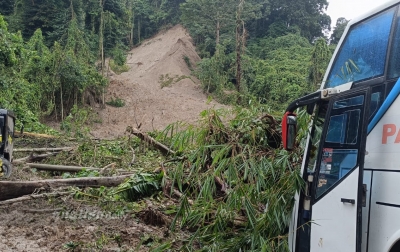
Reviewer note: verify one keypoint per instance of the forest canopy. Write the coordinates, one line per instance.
(54, 50)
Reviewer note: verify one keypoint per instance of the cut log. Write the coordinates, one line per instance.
(43, 149)
(33, 196)
(13, 189)
(69, 168)
(60, 167)
(161, 147)
(18, 134)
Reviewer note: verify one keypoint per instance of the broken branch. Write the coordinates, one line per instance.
(161, 147)
(33, 196)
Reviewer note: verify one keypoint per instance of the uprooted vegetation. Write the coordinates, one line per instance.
(219, 186)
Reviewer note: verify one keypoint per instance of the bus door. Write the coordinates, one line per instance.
(337, 191)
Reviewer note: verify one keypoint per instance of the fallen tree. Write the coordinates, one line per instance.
(148, 139)
(13, 189)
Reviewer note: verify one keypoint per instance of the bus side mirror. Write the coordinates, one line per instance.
(289, 125)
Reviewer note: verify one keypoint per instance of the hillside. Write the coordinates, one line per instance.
(158, 89)
(74, 224)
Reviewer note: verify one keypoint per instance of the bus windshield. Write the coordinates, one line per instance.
(363, 53)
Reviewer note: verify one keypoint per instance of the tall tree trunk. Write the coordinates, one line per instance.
(217, 33)
(138, 29)
(55, 104)
(240, 38)
(62, 103)
(131, 37)
(72, 10)
(101, 44)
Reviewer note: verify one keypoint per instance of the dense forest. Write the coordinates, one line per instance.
(52, 52)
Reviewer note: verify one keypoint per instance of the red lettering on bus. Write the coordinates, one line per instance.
(389, 130)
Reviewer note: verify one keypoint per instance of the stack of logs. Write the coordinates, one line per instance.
(15, 191)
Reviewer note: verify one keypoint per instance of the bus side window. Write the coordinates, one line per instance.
(340, 148)
(375, 103)
(394, 62)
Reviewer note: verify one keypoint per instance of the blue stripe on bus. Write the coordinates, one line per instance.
(385, 106)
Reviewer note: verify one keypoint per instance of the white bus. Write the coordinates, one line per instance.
(351, 165)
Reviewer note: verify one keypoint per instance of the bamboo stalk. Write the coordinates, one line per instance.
(65, 168)
(43, 149)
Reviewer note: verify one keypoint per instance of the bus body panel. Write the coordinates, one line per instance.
(383, 142)
(328, 226)
(384, 221)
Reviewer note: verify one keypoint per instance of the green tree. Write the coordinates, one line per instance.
(16, 93)
(209, 21)
(282, 76)
(6, 7)
(307, 15)
(320, 56)
(341, 24)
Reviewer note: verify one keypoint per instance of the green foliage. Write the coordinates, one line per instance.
(117, 102)
(308, 16)
(139, 185)
(77, 122)
(320, 57)
(71, 246)
(166, 80)
(338, 30)
(119, 57)
(215, 72)
(275, 71)
(281, 80)
(238, 190)
(117, 68)
(208, 22)
(16, 93)
(188, 63)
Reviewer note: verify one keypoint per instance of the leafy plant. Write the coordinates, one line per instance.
(237, 188)
(166, 80)
(188, 63)
(118, 69)
(139, 185)
(119, 57)
(71, 246)
(77, 122)
(117, 102)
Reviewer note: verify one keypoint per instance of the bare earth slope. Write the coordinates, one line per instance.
(146, 101)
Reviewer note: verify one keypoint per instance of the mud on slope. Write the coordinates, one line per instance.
(158, 89)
